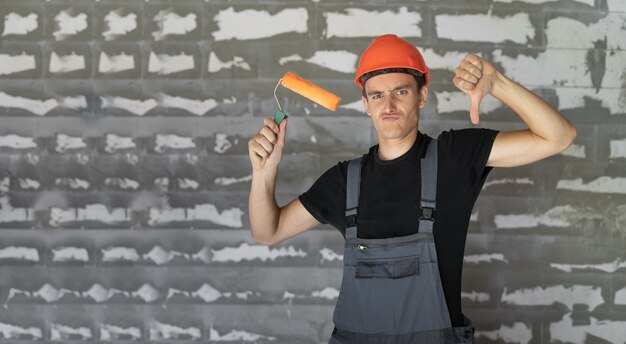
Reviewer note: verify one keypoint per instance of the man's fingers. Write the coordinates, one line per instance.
(269, 122)
(471, 69)
(466, 75)
(463, 84)
(256, 149)
(264, 143)
(261, 145)
(475, 60)
(268, 134)
(260, 151)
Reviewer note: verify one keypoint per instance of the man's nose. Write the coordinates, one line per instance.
(390, 103)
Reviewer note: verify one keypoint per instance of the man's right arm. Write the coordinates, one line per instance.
(270, 223)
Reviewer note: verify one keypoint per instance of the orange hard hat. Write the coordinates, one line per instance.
(390, 51)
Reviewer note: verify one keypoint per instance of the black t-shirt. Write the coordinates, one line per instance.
(390, 193)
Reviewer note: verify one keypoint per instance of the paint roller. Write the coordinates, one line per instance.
(307, 90)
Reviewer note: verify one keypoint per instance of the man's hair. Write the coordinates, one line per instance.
(419, 77)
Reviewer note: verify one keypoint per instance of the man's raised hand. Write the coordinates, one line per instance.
(476, 77)
(265, 148)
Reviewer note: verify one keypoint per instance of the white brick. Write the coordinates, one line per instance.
(565, 331)
(485, 28)
(69, 25)
(568, 33)
(117, 25)
(165, 64)
(516, 333)
(618, 149)
(252, 252)
(357, 22)
(66, 63)
(569, 296)
(259, 24)
(11, 64)
(171, 23)
(550, 68)
(604, 184)
(605, 267)
(16, 24)
(574, 97)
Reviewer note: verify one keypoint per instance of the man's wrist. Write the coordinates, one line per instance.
(268, 172)
(500, 84)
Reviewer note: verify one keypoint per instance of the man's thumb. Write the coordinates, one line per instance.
(282, 131)
(474, 107)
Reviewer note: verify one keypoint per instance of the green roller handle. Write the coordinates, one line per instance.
(279, 116)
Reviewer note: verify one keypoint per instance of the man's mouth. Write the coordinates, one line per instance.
(389, 117)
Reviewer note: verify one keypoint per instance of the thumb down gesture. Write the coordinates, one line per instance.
(475, 76)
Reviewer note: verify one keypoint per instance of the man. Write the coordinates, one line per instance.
(405, 206)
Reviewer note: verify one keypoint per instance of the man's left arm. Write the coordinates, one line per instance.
(548, 132)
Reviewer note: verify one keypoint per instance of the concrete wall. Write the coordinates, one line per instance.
(124, 171)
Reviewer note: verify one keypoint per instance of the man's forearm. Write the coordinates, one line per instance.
(262, 207)
(542, 119)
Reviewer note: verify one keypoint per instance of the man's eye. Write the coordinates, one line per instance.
(402, 92)
(376, 96)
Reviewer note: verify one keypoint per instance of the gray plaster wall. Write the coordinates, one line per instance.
(124, 171)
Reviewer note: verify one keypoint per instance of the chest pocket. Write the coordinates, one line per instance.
(390, 268)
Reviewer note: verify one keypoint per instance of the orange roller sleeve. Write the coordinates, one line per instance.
(311, 91)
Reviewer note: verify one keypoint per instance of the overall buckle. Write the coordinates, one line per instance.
(350, 220)
(427, 214)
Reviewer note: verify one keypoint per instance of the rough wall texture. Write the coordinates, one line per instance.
(124, 170)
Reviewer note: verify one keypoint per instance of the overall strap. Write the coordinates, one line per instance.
(352, 197)
(429, 188)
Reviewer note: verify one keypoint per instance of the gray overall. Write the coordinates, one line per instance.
(391, 290)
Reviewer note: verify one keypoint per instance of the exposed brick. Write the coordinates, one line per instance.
(124, 168)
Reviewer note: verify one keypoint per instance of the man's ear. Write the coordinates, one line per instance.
(423, 96)
(365, 105)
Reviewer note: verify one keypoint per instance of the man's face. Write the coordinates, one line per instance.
(393, 102)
